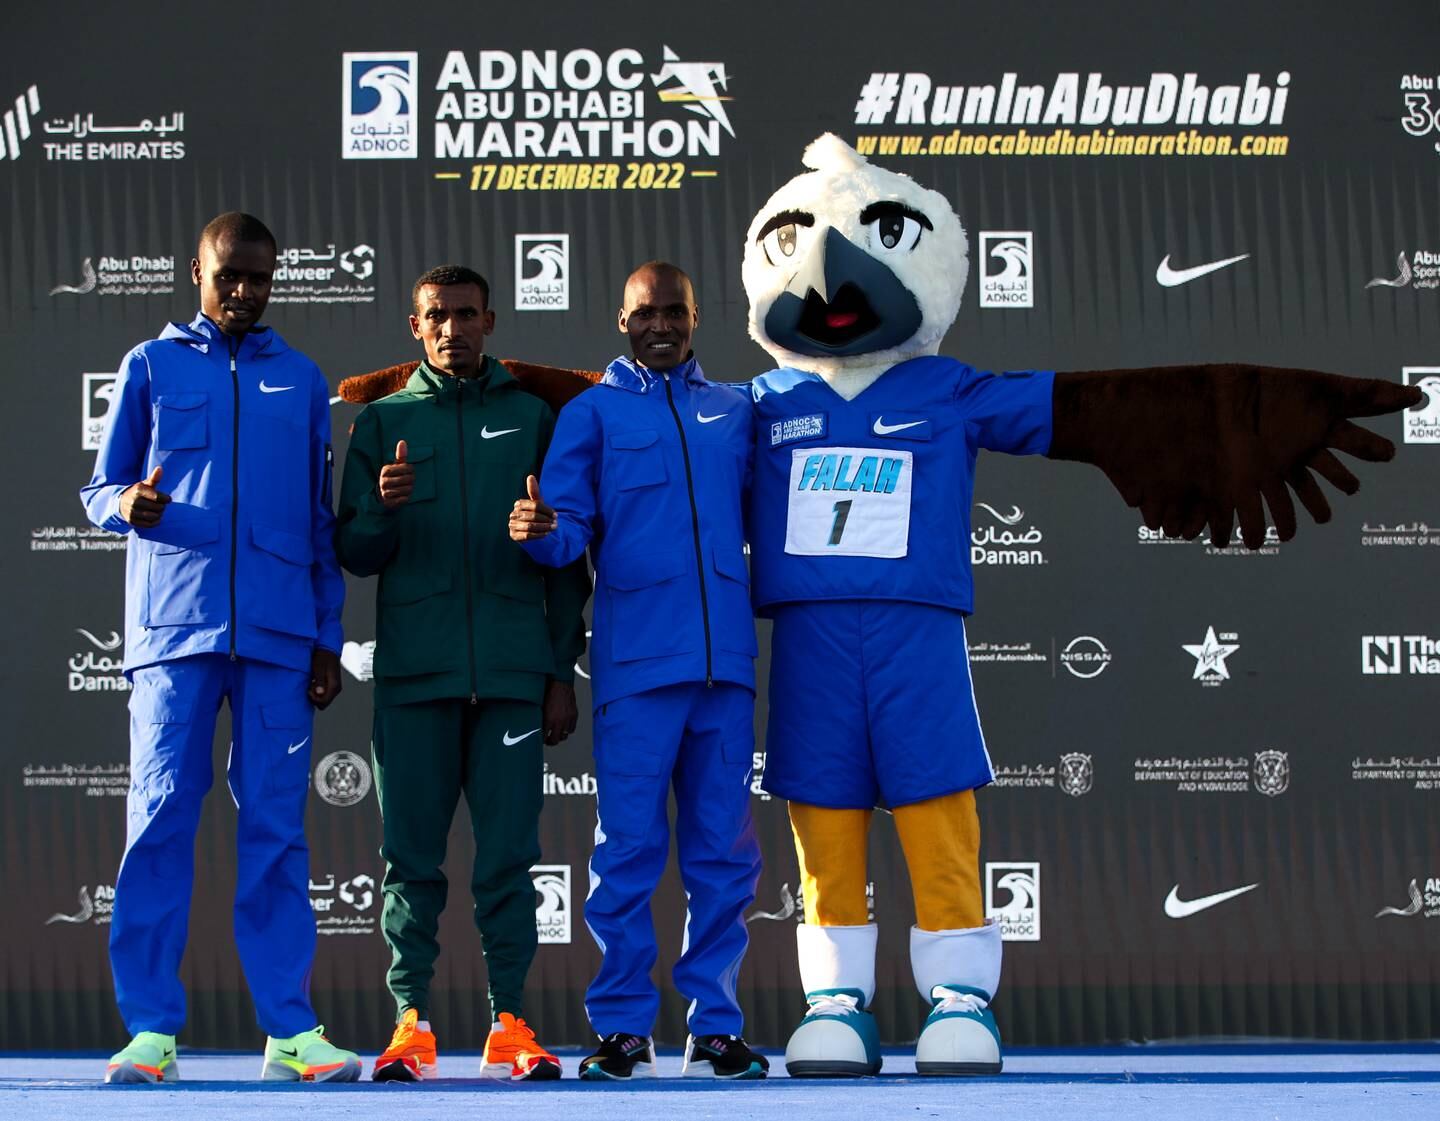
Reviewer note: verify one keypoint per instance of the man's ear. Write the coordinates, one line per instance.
(619, 319)
(415, 326)
(195, 271)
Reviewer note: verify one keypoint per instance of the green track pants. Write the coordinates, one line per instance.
(426, 754)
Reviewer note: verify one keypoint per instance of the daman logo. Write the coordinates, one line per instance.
(379, 118)
(995, 545)
(542, 272)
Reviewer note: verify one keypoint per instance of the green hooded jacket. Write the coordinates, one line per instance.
(461, 610)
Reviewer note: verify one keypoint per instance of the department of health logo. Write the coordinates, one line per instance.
(342, 778)
(379, 121)
(552, 902)
(1007, 268)
(1422, 423)
(95, 406)
(542, 272)
(1012, 898)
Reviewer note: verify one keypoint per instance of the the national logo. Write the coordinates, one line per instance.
(552, 903)
(542, 272)
(1007, 268)
(1012, 898)
(342, 778)
(379, 120)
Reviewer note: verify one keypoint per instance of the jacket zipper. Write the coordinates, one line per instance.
(465, 539)
(234, 489)
(695, 526)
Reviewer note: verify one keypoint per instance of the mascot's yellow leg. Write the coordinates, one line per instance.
(941, 839)
(831, 847)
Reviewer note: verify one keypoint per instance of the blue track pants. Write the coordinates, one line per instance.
(701, 741)
(172, 729)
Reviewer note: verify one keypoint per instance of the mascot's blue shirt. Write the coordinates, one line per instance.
(242, 560)
(870, 498)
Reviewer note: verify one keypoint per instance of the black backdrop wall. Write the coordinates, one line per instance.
(1170, 721)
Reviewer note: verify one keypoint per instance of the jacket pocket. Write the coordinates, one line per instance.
(420, 625)
(652, 606)
(184, 582)
(181, 421)
(730, 605)
(637, 459)
(282, 598)
(422, 458)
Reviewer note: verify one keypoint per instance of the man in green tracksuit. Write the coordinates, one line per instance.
(474, 658)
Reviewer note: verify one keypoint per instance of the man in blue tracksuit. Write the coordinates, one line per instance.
(650, 471)
(217, 463)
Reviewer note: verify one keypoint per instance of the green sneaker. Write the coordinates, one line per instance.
(150, 1057)
(308, 1057)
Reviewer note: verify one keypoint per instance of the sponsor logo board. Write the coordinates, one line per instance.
(542, 272)
(553, 908)
(1012, 898)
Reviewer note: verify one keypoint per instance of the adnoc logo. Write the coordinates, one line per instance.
(379, 118)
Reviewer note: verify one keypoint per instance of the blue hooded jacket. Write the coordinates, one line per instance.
(651, 470)
(242, 561)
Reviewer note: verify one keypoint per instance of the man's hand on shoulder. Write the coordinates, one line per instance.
(397, 480)
(325, 683)
(559, 713)
(141, 504)
(531, 518)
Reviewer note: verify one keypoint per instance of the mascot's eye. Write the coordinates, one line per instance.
(894, 233)
(781, 243)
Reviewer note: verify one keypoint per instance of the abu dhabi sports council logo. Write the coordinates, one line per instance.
(1012, 898)
(1272, 772)
(542, 272)
(126, 274)
(1420, 269)
(17, 123)
(1426, 903)
(1422, 423)
(379, 120)
(1210, 656)
(96, 908)
(1007, 268)
(792, 905)
(97, 401)
(342, 778)
(552, 903)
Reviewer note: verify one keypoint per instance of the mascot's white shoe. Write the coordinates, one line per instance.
(958, 971)
(838, 1037)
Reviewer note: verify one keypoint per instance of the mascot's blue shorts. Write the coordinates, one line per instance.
(871, 704)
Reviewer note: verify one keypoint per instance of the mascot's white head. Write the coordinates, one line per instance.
(851, 268)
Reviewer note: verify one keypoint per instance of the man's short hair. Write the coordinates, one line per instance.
(235, 226)
(442, 276)
(659, 266)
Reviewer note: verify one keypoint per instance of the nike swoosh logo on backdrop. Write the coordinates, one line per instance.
(486, 434)
(512, 741)
(294, 747)
(703, 419)
(273, 388)
(1178, 908)
(883, 429)
(1171, 278)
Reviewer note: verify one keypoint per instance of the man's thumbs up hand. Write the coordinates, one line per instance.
(531, 518)
(141, 504)
(397, 479)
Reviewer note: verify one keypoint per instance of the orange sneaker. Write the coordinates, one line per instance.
(411, 1054)
(512, 1052)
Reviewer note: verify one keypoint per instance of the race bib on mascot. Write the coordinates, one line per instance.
(849, 502)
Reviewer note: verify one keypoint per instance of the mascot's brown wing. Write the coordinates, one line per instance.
(552, 384)
(1192, 446)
